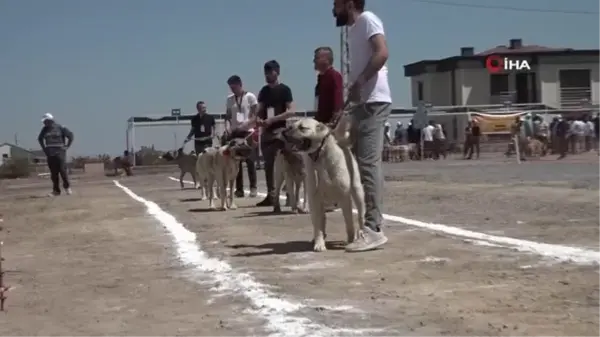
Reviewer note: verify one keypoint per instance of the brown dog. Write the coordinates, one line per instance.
(185, 162)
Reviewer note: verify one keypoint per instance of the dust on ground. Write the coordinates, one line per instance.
(96, 264)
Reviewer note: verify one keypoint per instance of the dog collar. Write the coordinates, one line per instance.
(315, 155)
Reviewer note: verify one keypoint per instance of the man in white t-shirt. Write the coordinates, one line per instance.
(370, 90)
(428, 140)
(239, 116)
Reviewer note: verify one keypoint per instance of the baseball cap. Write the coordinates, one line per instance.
(47, 116)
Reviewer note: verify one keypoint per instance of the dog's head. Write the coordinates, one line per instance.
(305, 135)
(238, 148)
(168, 156)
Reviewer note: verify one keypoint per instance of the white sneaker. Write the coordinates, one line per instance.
(69, 191)
(53, 194)
(253, 193)
(367, 240)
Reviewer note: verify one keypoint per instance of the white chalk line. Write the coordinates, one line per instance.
(559, 253)
(278, 313)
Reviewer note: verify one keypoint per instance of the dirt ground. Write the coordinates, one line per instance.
(98, 263)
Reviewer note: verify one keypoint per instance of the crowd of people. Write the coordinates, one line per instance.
(562, 136)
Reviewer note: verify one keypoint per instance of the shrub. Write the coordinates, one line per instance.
(15, 168)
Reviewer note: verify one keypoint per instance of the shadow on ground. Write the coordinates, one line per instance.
(283, 248)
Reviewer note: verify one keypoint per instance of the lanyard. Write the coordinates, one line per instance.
(239, 102)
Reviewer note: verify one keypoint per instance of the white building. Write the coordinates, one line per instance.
(559, 78)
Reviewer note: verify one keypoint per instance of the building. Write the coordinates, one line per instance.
(559, 78)
(8, 151)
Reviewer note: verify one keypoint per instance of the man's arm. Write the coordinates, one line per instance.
(191, 133)
(378, 44)
(41, 139)
(228, 116)
(68, 135)
(338, 97)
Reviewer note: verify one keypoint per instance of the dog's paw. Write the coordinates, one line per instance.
(319, 245)
(277, 209)
(222, 209)
(233, 206)
(300, 210)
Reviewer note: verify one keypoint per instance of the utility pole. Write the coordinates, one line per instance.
(344, 57)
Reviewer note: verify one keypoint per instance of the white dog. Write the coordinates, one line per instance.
(222, 165)
(331, 174)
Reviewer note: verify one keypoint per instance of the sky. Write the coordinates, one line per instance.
(93, 64)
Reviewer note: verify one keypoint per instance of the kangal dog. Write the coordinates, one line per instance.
(331, 174)
(289, 168)
(221, 165)
(186, 163)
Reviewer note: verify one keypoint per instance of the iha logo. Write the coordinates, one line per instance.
(496, 64)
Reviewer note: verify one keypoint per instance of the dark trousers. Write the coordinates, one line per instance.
(58, 167)
(471, 146)
(199, 147)
(239, 181)
(268, 153)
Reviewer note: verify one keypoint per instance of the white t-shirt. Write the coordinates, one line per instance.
(428, 133)
(240, 107)
(377, 89)
(578, 128)
(439, 132)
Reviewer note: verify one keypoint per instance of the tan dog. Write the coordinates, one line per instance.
(186, 163)
(331, 174)
(289, 168)
(535, 148)
(221, 165)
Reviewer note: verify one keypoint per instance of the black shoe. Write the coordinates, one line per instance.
(239, 194)
(267, 202)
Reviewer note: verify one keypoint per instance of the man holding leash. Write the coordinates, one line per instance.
(371, 91)
(275, 106)
(240, 110)
(203, 129)
(54, 140)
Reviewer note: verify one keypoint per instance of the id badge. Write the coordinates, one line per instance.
(201, 128)
(270, 112)
(240, 117)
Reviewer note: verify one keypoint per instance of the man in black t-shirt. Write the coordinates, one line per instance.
(275, 106)
(203, 129)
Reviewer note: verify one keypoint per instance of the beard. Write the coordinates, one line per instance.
(341, 18)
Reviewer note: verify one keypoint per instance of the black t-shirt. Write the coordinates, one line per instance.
(476, 131)
(203, 125)
(275, 98)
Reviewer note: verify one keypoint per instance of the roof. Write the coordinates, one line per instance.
(532, 51)
(35, 153)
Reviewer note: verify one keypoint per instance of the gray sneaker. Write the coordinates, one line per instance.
(367, 240)
(53, 194)
(69, 191)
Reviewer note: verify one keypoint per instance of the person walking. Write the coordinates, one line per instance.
(370, 91)
(275, 106)
(240, 111)
(55, 140)
(202, 130)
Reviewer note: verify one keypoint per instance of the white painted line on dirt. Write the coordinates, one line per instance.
(556, 252)
(313, 265)
(277, 312)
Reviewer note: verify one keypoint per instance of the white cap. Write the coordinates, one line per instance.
(47, 116)
(387, 124)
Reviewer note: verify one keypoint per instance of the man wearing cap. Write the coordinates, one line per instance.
(54, 140)
(240, 110)
(275, 106)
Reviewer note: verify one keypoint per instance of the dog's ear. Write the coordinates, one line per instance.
(322, 128)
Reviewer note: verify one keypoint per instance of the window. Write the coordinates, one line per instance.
(499, 84)
(574, 87)
(420, 95)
